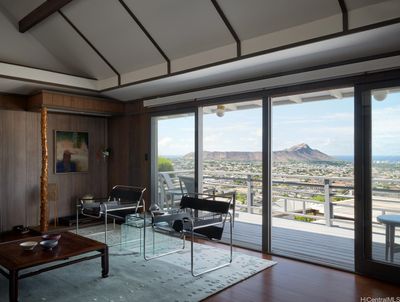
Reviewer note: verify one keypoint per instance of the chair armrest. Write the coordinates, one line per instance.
(83, 201)
(212, 191)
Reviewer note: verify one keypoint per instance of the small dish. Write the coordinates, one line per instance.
(25, 230)
(51, 237)
(28, 245)
(158, 213)
(48, 244)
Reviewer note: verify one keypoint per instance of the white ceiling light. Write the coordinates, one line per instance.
(379, 95)
(220, 110)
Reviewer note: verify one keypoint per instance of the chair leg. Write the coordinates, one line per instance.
(214, 268)
(231, 222)
(387, 242)
(77, 219)
(140, 240)
(392, 237)
(105, 227)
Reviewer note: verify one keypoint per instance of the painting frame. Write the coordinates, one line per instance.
(71, 152)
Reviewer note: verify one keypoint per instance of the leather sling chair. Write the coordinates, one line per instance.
(122, 201)
(203, 216)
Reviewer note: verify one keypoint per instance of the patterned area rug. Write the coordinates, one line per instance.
(132, 278)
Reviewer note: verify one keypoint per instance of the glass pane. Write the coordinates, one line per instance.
(232, 162)
(385, 104)
(312, 177)
(173, 157)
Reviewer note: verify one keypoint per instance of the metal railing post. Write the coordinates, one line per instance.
(328, 211)
(249, 194)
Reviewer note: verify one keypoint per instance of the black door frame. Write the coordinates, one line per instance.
(363, 185)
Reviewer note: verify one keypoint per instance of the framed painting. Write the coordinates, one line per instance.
(71, 152)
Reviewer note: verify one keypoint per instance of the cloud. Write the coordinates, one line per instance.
(164, 142)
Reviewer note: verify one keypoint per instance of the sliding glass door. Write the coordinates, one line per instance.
(231, 162)
(312, 204)
(379, 182)
(333, 191)
(173, 160)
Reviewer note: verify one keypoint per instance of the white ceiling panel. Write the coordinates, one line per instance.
(253, 18)
(182, 27)
(24, 49)
(191, 33)
(373, 12)
(63, 41)
(114, 33)
(60, 41)
(20, 8)
(29, 88)
(333, 50)
(354, 4)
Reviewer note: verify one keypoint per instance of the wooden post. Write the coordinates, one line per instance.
(44, 205)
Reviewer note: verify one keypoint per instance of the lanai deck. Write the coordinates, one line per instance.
(309, 241)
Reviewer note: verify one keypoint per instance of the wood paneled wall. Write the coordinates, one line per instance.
(77, 103)
(19, 168)
(12, 102)
(20, 164)
(74, 185)
(129, 139)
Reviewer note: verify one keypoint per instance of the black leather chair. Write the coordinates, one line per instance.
(122, 201)
(200, 215)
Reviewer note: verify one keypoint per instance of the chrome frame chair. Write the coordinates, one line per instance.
(216, 213)
(121, 198)
(202, 215)
(187, 182)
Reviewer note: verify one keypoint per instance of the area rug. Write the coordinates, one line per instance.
(132, 278)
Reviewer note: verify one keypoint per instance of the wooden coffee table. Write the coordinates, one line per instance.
(14, 259)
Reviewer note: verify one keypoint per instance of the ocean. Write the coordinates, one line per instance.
(380, 158)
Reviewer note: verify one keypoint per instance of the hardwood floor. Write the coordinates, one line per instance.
(296, 281)
(291, 280)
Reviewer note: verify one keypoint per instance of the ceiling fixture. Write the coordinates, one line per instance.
(379, 95)
(220, 110)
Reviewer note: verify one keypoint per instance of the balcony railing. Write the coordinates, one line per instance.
(316, 199)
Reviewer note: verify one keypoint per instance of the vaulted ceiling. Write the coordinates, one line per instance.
(134, 49)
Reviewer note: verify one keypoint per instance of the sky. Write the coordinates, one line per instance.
(326, 125)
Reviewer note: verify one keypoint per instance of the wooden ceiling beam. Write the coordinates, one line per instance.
(345, 15)
(229, 26)
(40, 13)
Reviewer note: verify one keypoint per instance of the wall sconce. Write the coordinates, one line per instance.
(106, 152)
(220, 110)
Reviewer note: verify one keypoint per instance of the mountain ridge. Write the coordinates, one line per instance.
(299, 152)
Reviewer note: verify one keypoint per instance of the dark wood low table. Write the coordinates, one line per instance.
(14, 259)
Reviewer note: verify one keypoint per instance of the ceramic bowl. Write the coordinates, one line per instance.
(51, 237)
(48, 244)
(28, 245)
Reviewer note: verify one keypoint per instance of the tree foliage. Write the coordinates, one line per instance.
(165, 164)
